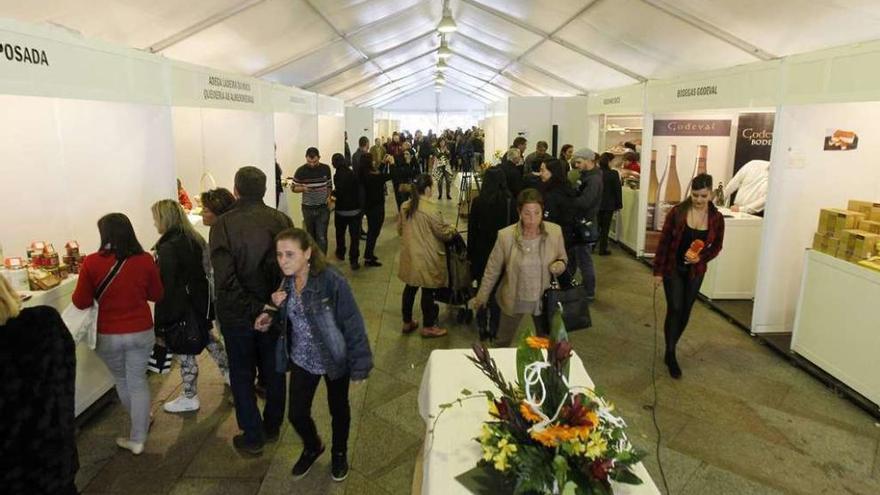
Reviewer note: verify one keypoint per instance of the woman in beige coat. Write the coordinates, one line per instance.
(525, 258)
(422, 256)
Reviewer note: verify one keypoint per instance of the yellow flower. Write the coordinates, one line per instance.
(493, 409)
(538, 342)
(528, 413)
(488, 453)
(501, 463)
(486, 434)
(596, 445)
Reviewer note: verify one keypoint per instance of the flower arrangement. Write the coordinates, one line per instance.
(546, 436)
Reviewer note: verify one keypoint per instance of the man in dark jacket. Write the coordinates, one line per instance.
(245, 275)
(513, 174)
(587, 203)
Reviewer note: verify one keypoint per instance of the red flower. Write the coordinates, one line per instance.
(562, 351)
(480, 352)
(601, 468)
(503, 409)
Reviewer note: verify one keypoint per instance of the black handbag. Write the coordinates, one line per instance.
(586, 231)
(188, 336)
(572, 301)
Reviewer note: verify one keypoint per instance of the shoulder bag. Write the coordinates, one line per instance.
(571, 301)
(83, 323)
(187, 336)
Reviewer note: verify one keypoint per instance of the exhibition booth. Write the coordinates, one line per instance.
(80, 144)
(615, 117)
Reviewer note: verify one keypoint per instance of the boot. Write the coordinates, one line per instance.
(672, 364)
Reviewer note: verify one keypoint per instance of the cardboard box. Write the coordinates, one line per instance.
(870, 209)
(871, 226)
(825, 244)
(857, 245)
(872, 264)
(833, 221)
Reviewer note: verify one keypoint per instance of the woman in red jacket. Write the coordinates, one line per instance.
(692, 236)
(125, 323)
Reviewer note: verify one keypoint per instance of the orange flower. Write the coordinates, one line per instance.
(538, 342)
(553, 436)
(528, 413)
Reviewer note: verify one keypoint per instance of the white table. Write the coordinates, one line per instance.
(93, 379)
(733, 274)
(628, 218)
(836, 325)
(453, 450)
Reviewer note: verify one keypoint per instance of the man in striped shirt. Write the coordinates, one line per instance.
(314, 181)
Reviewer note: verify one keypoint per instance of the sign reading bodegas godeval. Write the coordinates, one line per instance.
(692, 127)
(22, 54)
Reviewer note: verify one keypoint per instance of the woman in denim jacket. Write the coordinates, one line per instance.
(322, 334)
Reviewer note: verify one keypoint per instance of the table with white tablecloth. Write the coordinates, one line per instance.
(452, 449)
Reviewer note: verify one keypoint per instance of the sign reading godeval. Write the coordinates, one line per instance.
(23, 54)
(692, 127)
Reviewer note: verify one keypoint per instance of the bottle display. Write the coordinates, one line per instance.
(719, 195)
(673, 185)
(702, 153)
(654, 184)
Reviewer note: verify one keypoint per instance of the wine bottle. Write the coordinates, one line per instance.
(654, 184)
(673, 185)
(702, 152)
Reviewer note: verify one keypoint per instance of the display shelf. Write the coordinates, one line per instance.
(733, 274)
(628, 219)
(93, 379)
(836, 321)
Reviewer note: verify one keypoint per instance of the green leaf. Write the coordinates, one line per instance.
(445, 406)
(623, 475)
(466, 392)
(570, 488)
(559, 334)
(560, 469)
(525, 356)
(489, 394)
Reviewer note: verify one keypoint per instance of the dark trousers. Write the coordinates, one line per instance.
(302, 391)
(681, 292)
(400, 197)
(315, 220)
(579, 257)
(604, 228)
(245, 348)
(375, 219)
(353, 226)
(429, 309)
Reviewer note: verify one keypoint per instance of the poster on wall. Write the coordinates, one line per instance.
(840, 140)
(754, 138)
(683, 148)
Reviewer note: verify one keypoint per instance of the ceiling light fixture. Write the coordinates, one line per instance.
(439, 77)
(441, 65)
(444, 52)
(447, 24)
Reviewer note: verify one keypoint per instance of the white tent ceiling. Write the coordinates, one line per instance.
(372, 52)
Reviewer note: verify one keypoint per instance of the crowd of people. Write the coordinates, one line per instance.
(283, 309)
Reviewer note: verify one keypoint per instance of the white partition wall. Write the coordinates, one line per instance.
(359, 122)
(803, 179)
(331, 127)
(68, 162)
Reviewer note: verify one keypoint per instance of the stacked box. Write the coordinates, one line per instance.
(872, 264)
(857, 245)
(870, 209)
(825, 244)
(833, 221)
(872, 226)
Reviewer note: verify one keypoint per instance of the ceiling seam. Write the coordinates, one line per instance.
(392, 68)
(360, 97)
(202, 25)
(400, 94)
(711, 29)
(485, 82)
(493, 69)
(383, 90)
(551, 36)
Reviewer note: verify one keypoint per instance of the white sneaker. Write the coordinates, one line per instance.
(182, 404)
(134, 447)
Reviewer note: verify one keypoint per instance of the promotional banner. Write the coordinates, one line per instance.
(754, 138)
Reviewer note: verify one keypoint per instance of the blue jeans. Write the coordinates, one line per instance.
(579, 257)
(315, 221)
(246, 349)
(126, 357)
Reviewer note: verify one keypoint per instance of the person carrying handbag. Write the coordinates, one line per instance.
(322, 335)
(125, 323)
(183, 317)
(526, 257)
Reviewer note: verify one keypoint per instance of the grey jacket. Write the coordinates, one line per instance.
(589, 194)
(333, 313)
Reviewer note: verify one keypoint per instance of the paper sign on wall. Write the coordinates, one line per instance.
(692, 127)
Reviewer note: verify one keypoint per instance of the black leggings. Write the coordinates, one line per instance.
(429, 309)
(681, 293)
(302, 391)
(375, 219)
(604, 218)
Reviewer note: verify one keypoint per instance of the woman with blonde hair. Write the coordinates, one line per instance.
(37, 371)
(182, 256)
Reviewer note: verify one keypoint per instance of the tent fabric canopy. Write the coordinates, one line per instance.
(374, 52)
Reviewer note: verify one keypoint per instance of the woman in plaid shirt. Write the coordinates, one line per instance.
(680, 263)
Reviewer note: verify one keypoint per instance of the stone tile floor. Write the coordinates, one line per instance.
(741, 421)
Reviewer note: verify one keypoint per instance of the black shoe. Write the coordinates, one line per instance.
(242, 444)
(604, 253)
(355, 266)
(340, 257)
(304, 464)
(372, 263)
(339, 467)
(271, 434)
(448, 197)
(674, 368)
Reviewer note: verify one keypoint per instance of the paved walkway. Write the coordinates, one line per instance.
(741, 421)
